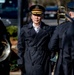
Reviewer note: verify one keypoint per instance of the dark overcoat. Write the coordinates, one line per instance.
(59, 44)
(33, 50)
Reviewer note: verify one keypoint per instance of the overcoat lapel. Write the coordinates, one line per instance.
(44, 32)
(37, 36)
(31, 31)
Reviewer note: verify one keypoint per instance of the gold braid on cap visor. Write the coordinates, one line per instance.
(37, 12)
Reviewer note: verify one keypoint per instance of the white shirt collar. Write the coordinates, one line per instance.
(37, 28)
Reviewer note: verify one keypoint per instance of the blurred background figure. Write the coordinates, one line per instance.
(4, 50)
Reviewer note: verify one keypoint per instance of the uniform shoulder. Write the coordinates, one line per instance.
(44, 24)
(25, 26)
(48, 27)
(64, 23)
(63, 26)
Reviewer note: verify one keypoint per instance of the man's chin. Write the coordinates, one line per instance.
(37, 22)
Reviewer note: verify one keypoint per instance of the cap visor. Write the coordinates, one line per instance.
(36, 12)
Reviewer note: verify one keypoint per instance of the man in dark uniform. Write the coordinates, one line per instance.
(62, 41)
(34, 56)
(4, 57)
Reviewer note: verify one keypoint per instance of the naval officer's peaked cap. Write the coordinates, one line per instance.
(37, 9)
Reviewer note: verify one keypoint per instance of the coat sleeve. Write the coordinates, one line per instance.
(54, 41)
(21, 47)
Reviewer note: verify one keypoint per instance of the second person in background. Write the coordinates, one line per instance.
(62, 41)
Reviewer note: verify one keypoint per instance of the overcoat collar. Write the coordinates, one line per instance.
(31, 29)
(32, 32)
(42, 26)
(30, 25)
(37, 36)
